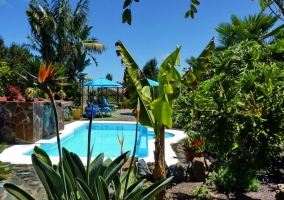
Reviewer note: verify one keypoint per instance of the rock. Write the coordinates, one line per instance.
(151, 166)
(180, 171)
(142, 170)
(208, 163)
(126, 165)
(199, 169)
(279, 192)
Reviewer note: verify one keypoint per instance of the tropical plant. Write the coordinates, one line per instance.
(109, 76)
(62, 94)
(5, 76)
(62, 36)
(14, 92)
(194, 142)
(157, 113)
(254, 27)
(239, 109)
(150, 69)
(30, 93)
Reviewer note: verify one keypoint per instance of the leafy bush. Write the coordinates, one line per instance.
(238, 107)
(200, 191)
(231, 177)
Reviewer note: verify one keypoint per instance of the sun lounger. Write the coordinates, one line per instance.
(106, 104)
(102, 110)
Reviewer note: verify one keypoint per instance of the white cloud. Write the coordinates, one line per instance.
(163, 56)
(4, 2)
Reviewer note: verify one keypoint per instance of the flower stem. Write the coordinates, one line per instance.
(134, 149)
(49, 92)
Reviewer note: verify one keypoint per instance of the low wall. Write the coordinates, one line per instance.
(28, 122)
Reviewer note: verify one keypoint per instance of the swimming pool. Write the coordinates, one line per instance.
(104, 138)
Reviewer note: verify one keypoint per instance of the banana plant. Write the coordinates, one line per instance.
(157, 113)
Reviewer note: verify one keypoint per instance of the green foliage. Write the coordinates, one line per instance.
(61, 34)
(109, 76)
(4, 167)
(84, 184)
(254, 28)
(6, 77)
(127, 16)
(192, 10)
(159, 110)
(237, 175)
(195, 142)
(150, 69)
(238, 107)
(200, 191)
(67, 118)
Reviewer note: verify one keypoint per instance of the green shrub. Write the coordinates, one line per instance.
(238, 107)
(200, 191)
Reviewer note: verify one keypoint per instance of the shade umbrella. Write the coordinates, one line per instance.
(102, 83)
(152, 83)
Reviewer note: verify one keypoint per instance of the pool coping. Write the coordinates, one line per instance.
(14, 154)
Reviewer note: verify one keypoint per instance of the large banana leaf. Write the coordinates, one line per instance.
(170, 81)
(137, 87)
(200, 64)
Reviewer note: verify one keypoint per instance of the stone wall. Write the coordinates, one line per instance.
(28, 122)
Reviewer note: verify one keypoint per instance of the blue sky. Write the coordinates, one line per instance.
(157, 27)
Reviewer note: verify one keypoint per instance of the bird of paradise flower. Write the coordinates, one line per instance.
(47, 76)
(121, 143)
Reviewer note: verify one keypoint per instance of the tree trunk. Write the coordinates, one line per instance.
(160, 164)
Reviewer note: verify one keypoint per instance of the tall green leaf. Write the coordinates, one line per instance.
(17, 192)
(42, 155)
(115, 166)
(51, 180)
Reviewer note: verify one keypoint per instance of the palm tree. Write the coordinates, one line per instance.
(150, 69)
(109, 76)
(254, 27)
(61, 35)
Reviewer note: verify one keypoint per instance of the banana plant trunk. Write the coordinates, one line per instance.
(160, 163)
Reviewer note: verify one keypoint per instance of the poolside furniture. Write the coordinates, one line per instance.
(101, 109)
(106, 104)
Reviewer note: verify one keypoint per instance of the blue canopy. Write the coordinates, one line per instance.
(103, 83)
(152, 83)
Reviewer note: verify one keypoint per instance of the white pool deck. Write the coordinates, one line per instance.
(14, 154)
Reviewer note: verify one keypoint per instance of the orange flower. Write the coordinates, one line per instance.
(46, 73)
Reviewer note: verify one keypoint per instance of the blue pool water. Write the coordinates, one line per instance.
(104, 138)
